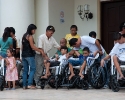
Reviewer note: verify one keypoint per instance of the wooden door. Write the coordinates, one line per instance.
(112, 14)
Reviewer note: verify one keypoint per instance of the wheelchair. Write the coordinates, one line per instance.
(56, 77)
(93, 74)
(2, 77)
(115, 83)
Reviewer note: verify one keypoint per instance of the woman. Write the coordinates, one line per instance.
(6, 42)
(73, 34)
(28, 56)
(12, 34)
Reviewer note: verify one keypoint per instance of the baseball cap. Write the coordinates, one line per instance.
(50, 28)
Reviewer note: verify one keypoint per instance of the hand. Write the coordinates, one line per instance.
(102, 63)
(67, 55)
(1, 57)
(100, 52)
(56, 55)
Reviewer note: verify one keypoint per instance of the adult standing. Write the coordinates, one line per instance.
(45, 42)
(28, 56)
(5, 42)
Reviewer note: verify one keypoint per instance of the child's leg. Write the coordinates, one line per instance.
(71, 70)
(8, 84)
(115, 60)
(81, 70)
(13, 84)
(47, 65)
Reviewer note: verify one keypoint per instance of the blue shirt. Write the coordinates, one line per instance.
(5, 45)
(85, 57)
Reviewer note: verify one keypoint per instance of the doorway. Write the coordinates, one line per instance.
(112, 14)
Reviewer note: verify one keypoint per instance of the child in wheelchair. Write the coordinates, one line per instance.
(80, 61)
(55, 62)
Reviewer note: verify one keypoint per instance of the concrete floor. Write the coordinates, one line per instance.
(62, 94)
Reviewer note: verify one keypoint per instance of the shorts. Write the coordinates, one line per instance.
(76, 62)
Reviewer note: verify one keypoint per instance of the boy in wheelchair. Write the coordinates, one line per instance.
(117, 53)
(80, 61)
(55, 62)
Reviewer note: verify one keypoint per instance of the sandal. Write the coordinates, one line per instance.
(31, 87)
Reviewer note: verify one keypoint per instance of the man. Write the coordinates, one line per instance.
(45, 42)
(86, 41)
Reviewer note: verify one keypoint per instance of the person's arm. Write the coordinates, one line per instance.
(99, 46)
(31, 41)
(95, 53)
(77, 53)
(55, 44)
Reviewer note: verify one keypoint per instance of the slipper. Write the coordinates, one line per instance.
(31, 87)
(122, 78)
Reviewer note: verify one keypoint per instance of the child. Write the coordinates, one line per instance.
(56, 61)
(11, 71)
(80, 61)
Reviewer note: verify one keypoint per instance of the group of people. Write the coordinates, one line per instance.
(36, 57)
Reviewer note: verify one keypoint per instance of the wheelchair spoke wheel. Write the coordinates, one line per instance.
(114, 84)
(97, 76)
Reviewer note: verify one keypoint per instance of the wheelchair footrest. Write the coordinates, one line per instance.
(67, 85)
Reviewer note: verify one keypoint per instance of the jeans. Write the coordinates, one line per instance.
(29, 67)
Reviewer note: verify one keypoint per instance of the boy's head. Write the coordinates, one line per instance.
(92, 34)
(64, 50)
(74, 42)
(119, 37)
(86, 51)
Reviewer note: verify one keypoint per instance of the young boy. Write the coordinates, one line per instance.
(56, 61)
(80, 61)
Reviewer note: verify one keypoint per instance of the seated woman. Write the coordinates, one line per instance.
(80, 61)
(56, 60)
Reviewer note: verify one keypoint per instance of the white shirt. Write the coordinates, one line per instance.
(87, 41)
(119, 51)
(47, 44)
(113, 52)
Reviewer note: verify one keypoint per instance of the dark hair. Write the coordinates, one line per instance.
(11, 51)
(6, 34)
(74, 26)
(117, 36)
(86, 49)
(73, 41)
(12, 30)
(50, 27)
(29, 30)
(64, 47)
(122, 25)
(92, 33)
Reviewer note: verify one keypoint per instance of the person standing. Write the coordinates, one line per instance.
(28, 56)
(45, 42)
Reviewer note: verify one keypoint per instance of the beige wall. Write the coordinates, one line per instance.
(91, 25)
(42, 16)
(55, 6)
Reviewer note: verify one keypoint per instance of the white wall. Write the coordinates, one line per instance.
(42, 16)
(85, 26)
(18, 14)
(55, 6)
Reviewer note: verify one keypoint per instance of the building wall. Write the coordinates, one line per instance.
(91, 25)
(55, 7)
(18, 14)
(42, 16)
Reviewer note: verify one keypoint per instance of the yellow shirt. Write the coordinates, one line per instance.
(69, 36)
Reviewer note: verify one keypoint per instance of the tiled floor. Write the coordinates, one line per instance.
(62, 94)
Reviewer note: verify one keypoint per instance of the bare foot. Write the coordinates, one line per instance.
(45, 76)
(122, 78)
(48, 74)
(81, 76)
(71, 76)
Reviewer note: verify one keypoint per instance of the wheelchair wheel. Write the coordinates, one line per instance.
(2, 87)
(52, 82)
(114, 83)
(97, 76)
(42, 83)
